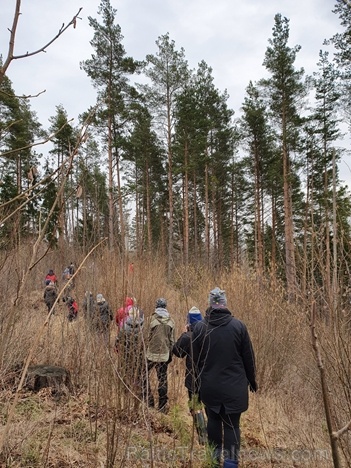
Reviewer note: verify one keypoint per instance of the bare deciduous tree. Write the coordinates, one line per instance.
(11, 50)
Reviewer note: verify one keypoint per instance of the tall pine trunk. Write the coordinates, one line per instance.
(186, 206)
(290, 265)
(170, 185)
(148, 210)
(207, 221)
(120, 209)
(111, 241)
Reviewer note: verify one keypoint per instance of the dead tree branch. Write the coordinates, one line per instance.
(28, 96)
(10, 54)
(337, 434)
(325, 390)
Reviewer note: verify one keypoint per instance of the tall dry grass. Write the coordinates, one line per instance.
(104, 423)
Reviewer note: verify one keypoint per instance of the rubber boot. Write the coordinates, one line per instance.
(228, 463)
(200, 426)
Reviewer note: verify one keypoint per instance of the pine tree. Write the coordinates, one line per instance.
(109, 69)
(168, 72)
(321, 158)
(145, 181)
(92, 202)
(63, 143)
(18, 129)
(204, 141)
(342, 57)
(286, 91)
(259, 141)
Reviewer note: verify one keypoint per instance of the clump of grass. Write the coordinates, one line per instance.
(182, 427)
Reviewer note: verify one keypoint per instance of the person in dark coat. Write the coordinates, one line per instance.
(129, 345)
(89, 307)
(225, 363)
(104, 317)
(183, 349)
(72, 308)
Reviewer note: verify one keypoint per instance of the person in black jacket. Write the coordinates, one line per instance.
(129, 345)
(225, 363)
(183, 349)
(103, 317)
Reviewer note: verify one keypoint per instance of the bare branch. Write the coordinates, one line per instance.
(12, 41)
(11, 56)
(29, 96)
(61, 31)
(324, 388)
(337, 434)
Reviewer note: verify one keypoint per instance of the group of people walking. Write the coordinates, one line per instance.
(51, 293)
(218, 352)
(220, 365)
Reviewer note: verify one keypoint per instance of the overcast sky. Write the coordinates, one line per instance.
(231, 36)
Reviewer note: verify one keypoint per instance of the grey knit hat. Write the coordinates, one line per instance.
(100, 299)
(161, 303)
(217, 298)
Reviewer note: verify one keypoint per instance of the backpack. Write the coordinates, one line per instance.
(74, 307)
(105, 312)
(66, 274)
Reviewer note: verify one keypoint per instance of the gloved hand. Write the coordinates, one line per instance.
(253, 387)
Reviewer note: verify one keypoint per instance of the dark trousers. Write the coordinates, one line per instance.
(161, 370)
(224, 433)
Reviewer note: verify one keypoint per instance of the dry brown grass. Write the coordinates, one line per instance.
(102, 424)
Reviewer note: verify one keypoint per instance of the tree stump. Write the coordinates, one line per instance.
(44, 376)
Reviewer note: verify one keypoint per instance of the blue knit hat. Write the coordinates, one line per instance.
(217, 298)
(194, 315)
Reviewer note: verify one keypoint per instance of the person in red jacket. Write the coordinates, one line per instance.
(50, 277)
(72, 307)
(122, 312)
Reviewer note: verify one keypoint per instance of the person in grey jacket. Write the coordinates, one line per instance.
(225, 363)
(50, 294)
(159, 353)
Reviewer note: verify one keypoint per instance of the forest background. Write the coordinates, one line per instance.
(159, 173)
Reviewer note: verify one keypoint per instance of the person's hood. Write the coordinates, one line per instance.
(161, 314)
(100, 299)
(218, 317)
(133, 326)
(129, 301)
